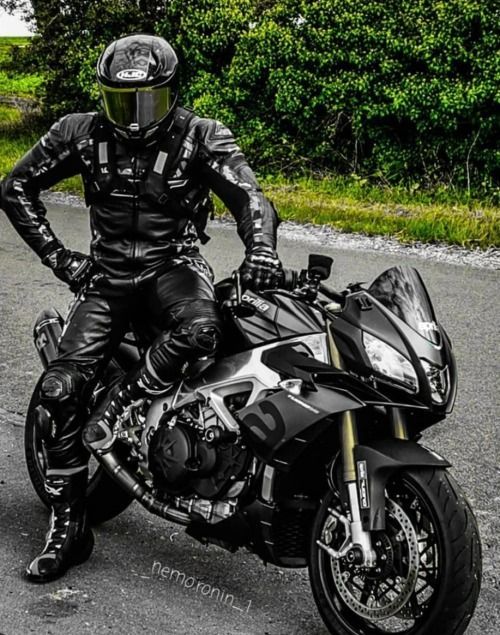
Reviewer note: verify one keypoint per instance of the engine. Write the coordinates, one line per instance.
(192, 453)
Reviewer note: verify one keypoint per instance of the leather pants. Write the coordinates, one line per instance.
(177, 309)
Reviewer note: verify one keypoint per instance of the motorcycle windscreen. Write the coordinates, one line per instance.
(403, 292)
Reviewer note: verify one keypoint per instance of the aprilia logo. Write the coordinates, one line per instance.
(256, 302)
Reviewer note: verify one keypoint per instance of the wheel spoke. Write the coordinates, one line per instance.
(393, 595)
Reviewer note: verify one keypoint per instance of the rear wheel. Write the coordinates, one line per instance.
(428, 572)
(105, 498)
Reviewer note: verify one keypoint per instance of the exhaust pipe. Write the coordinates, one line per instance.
(133, 486)
(102, 450)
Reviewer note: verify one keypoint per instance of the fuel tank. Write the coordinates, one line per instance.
(275, 316)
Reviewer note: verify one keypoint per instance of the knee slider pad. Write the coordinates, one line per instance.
(59, 383)
(197, 332)
(199, 325)
(204, 336)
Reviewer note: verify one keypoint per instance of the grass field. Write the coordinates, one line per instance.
(348, 204)
(13, 81)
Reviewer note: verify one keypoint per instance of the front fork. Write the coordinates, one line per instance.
(357, 546)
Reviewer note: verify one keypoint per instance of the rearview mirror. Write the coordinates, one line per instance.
(320, 266)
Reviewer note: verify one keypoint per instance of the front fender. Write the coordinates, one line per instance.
(376, 462)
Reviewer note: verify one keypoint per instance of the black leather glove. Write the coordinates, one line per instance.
(261, 269)
(72, 267)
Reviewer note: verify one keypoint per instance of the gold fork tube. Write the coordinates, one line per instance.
(398, 424)
(337, 361)
(348, 427)
(348, 440)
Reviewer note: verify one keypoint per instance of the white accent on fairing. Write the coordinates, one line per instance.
(230, 376)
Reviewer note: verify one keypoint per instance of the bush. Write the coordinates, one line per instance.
(405, 91)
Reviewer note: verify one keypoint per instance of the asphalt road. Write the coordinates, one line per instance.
(118, 590)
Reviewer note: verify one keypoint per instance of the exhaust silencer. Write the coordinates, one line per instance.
(46, 333)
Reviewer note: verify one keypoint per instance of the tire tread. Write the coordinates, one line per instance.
(457, 596)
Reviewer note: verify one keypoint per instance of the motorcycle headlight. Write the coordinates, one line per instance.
(438, 381)
(389, 362)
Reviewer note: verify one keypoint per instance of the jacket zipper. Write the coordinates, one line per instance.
(135, 213)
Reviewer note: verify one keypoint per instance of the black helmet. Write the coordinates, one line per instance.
(138, 79)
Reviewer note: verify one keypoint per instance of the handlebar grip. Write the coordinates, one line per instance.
(289, 279)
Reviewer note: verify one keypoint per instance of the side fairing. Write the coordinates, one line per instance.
(281, 426)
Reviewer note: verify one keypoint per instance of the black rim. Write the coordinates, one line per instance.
(386, 585)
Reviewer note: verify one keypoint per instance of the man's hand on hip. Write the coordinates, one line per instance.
(72, 267)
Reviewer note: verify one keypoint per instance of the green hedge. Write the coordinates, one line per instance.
(406, 91)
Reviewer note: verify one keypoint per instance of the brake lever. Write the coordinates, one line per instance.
(237, 279)
(238, 306)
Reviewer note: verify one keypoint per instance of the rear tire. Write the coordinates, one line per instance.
(451, 565)
(105, 498)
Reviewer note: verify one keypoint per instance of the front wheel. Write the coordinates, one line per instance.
(428, 571)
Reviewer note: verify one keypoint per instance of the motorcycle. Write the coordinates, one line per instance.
(300, 442)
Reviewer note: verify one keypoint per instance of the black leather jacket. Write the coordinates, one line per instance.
(144, 203)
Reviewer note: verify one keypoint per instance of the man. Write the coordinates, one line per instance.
(147, 167)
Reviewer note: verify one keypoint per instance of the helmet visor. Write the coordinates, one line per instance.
(141, 106)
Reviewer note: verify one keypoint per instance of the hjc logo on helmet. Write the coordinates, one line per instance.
(131, 74)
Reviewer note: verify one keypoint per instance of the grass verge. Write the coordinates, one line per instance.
(350, 207)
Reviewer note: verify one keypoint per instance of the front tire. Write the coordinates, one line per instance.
(105, 498)
(429, 554)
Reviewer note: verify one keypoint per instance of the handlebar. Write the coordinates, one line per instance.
(306, 283)
(291, 279)
(331, 294)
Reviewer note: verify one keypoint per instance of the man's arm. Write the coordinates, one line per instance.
(48, 162)
(227, 173)
(51, 160)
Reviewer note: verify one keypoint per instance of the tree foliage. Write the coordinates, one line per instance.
(406, 90)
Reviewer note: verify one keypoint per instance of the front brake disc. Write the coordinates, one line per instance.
(395, 590)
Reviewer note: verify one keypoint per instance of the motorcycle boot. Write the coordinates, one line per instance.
(133, 389)
(69, 540)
